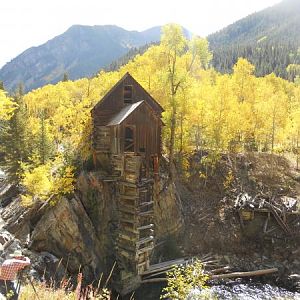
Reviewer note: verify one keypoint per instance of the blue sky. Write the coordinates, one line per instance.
(27, 23)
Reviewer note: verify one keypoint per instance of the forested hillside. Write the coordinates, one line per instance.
(118, 63)
(48, 137)
(269, 39)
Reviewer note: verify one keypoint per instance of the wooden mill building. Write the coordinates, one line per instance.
(127, 120)
(126, 140)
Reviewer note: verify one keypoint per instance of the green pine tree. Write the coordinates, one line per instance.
(45, 146)
(13, 141)
(65, 77)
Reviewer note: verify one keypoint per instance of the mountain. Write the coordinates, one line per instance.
(270, 39)
(123, 60)
(80, 51)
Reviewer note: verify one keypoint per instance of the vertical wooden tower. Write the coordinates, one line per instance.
(127, 141)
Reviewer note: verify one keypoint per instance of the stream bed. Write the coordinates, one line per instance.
(246, 291)
(231, 290)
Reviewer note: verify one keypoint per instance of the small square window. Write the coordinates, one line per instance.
(128, 94)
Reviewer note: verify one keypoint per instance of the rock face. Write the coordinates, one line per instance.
(67, 231)
(82, 231)
(98, 199)
(168, 213)
(100, 202)
(20, 220)
(64, 231)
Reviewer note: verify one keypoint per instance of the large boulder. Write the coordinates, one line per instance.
(66, 231)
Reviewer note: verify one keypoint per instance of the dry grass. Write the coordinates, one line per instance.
(43, 292)
(65, 290)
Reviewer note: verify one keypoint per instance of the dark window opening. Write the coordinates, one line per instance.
(129, 140)
(128, 93)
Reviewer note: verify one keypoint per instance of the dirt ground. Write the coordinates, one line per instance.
(212, 224)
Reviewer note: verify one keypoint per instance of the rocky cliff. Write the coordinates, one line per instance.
(81, 230)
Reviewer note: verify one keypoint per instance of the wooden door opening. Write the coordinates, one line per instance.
(129, 144)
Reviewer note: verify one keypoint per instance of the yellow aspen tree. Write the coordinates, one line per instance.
(174, 47)
(244, 89)
(7, 106)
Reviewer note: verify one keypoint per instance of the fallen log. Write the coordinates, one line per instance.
(220, 270)
(245, 274)
(221, 276)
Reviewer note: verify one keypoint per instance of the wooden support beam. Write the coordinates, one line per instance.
(165, 265)
(146, 213)
(143, 204)
(129, 228)
(127, 210)
(245, 274)
(126, 248)
(146, 249)
(145, 240)
(128, 216)
(126, 183)
(154, 280)
(142, 264)
(125, 220)
(128, 203)
(125, 244)
(125, 254)
(146, 227)
(280, 221)
(221, 276)
(128, 197)
(128, 236)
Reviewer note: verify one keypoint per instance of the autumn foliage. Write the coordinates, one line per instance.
(203, 109)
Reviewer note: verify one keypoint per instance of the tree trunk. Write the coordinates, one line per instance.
(181, 133)
(172, 139)
(272, 150)
(297, 147)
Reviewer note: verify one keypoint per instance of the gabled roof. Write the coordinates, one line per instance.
(124, 113)
(115, 86)
(128, 110)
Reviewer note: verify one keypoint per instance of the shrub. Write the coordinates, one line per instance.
(182, 280)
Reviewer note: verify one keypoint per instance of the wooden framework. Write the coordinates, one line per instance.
(112, 115)
(127, 132)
